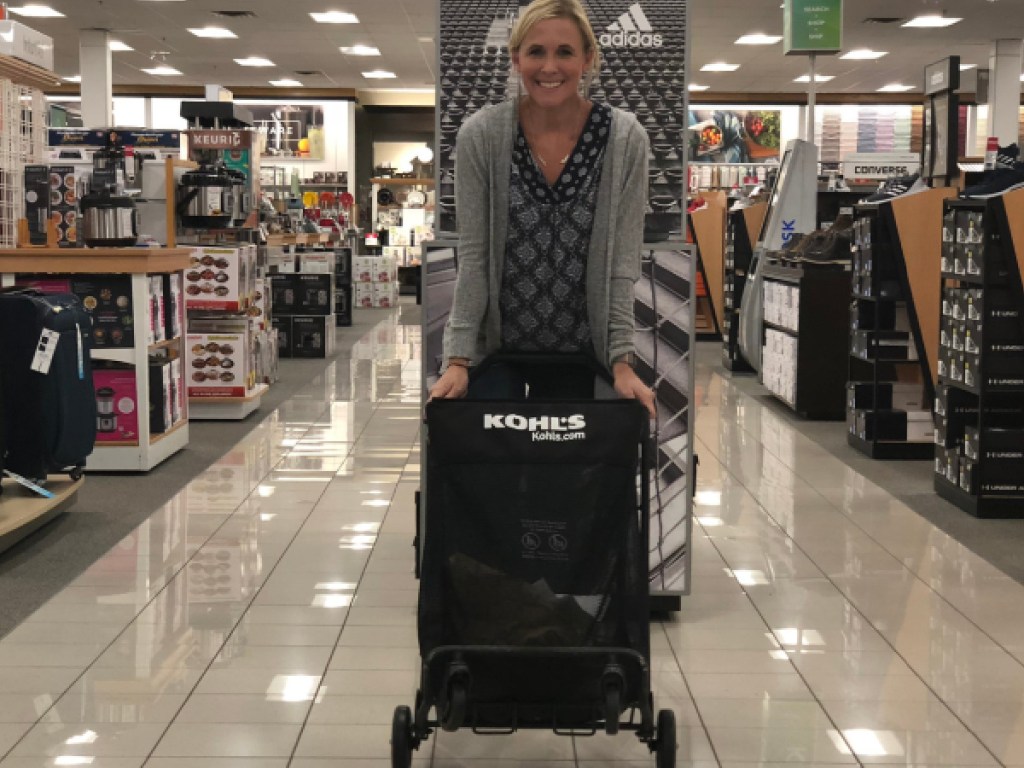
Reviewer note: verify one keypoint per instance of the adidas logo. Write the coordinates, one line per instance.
(632, 30)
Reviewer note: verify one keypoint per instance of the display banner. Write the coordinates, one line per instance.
(812, 26)
(643, 57)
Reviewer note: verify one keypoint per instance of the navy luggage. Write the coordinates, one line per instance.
(48, 401)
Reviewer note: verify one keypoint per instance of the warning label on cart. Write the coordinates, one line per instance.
(545, 540)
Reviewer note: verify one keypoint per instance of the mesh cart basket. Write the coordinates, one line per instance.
(533, 604)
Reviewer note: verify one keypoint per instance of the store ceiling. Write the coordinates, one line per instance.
(404, 31)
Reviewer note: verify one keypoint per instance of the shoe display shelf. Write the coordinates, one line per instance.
(664, 310)
(979, 401)
(893, 328)
(742, 230)
(707, 226)
(805, 329)
(137, 266)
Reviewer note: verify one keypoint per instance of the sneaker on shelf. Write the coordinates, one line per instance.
(897, 187)
(697, 204)
(1008, 157)
(997, 182)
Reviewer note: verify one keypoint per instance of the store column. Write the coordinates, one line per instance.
(97, 78)
(1004, 90)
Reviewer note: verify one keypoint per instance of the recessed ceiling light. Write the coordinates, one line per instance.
(286, 83)
(965, 67)
(217, 32)
(379, 74)
(817, 78)
(424, 39)
(757, 38)
(864, 54)
(895, 88)
(72, 79)
(719, 66)
(37, 12)
(360, 50)
(119, 47)
(334, 17)
(697, 87)
(932, 20)
(1022, 78)
(254, 61)
(162, 71)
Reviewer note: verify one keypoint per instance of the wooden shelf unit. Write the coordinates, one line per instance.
(895, 291)
(139, 263)
(815, 363)
(708, 227)
(23, 73)
(742, 232)
(979, 403)
(22, 511)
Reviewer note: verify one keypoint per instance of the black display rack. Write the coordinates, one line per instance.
(816, 360)
(979, 403)
(739, 250)
(889, 393)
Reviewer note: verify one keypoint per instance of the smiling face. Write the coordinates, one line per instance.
(551, 61)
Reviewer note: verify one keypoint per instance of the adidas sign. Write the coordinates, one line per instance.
(632, 30)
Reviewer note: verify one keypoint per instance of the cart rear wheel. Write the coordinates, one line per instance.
(454, 714)
(76, 473)
(665, 757)
(612, 709)
(401, 738)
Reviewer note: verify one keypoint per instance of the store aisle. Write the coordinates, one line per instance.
(265, 617)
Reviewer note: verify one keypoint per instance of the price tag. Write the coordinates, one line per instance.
(45, 348)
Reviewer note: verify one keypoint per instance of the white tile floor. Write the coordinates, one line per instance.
(266, 616)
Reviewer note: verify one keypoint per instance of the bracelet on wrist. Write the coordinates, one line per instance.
(458, 362)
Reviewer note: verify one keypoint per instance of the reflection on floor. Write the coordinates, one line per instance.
(266, 616)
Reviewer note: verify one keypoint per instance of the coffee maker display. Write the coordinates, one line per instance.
(108, 216)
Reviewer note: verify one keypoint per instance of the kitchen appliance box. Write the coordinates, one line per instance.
(219, 364)
(343, 305)
(374, 269)
(259, 310)
(302, 294)
(107, 298)
(37, 202)
(305, 336)
(174, 307)
(221, 279)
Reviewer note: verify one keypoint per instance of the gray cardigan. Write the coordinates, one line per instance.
(483, 161)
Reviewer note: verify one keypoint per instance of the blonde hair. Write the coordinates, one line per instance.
(542, 10)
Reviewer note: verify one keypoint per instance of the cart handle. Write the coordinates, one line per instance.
(541, 358)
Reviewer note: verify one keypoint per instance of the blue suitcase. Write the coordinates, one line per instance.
(49, 413)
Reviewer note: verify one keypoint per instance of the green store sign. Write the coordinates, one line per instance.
(813, 26)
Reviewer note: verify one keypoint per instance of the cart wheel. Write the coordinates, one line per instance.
(76, 473)
(665, 756)
(612, 709)
(454, 714)
(401, 738)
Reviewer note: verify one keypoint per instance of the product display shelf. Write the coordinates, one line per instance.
(23, 511)
(386, 183)
(708, 227)
(893, 327)
(743, 228)
(979, 402)
(298, 238)
(24, 73)
(140, 263)
(804, 359)
(226, 408)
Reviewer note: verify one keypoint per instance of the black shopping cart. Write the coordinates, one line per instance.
(533, 605)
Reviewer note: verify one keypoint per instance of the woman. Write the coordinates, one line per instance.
(550, 193)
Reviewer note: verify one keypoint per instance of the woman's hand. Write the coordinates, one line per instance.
(629, 386)
(453, 383)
